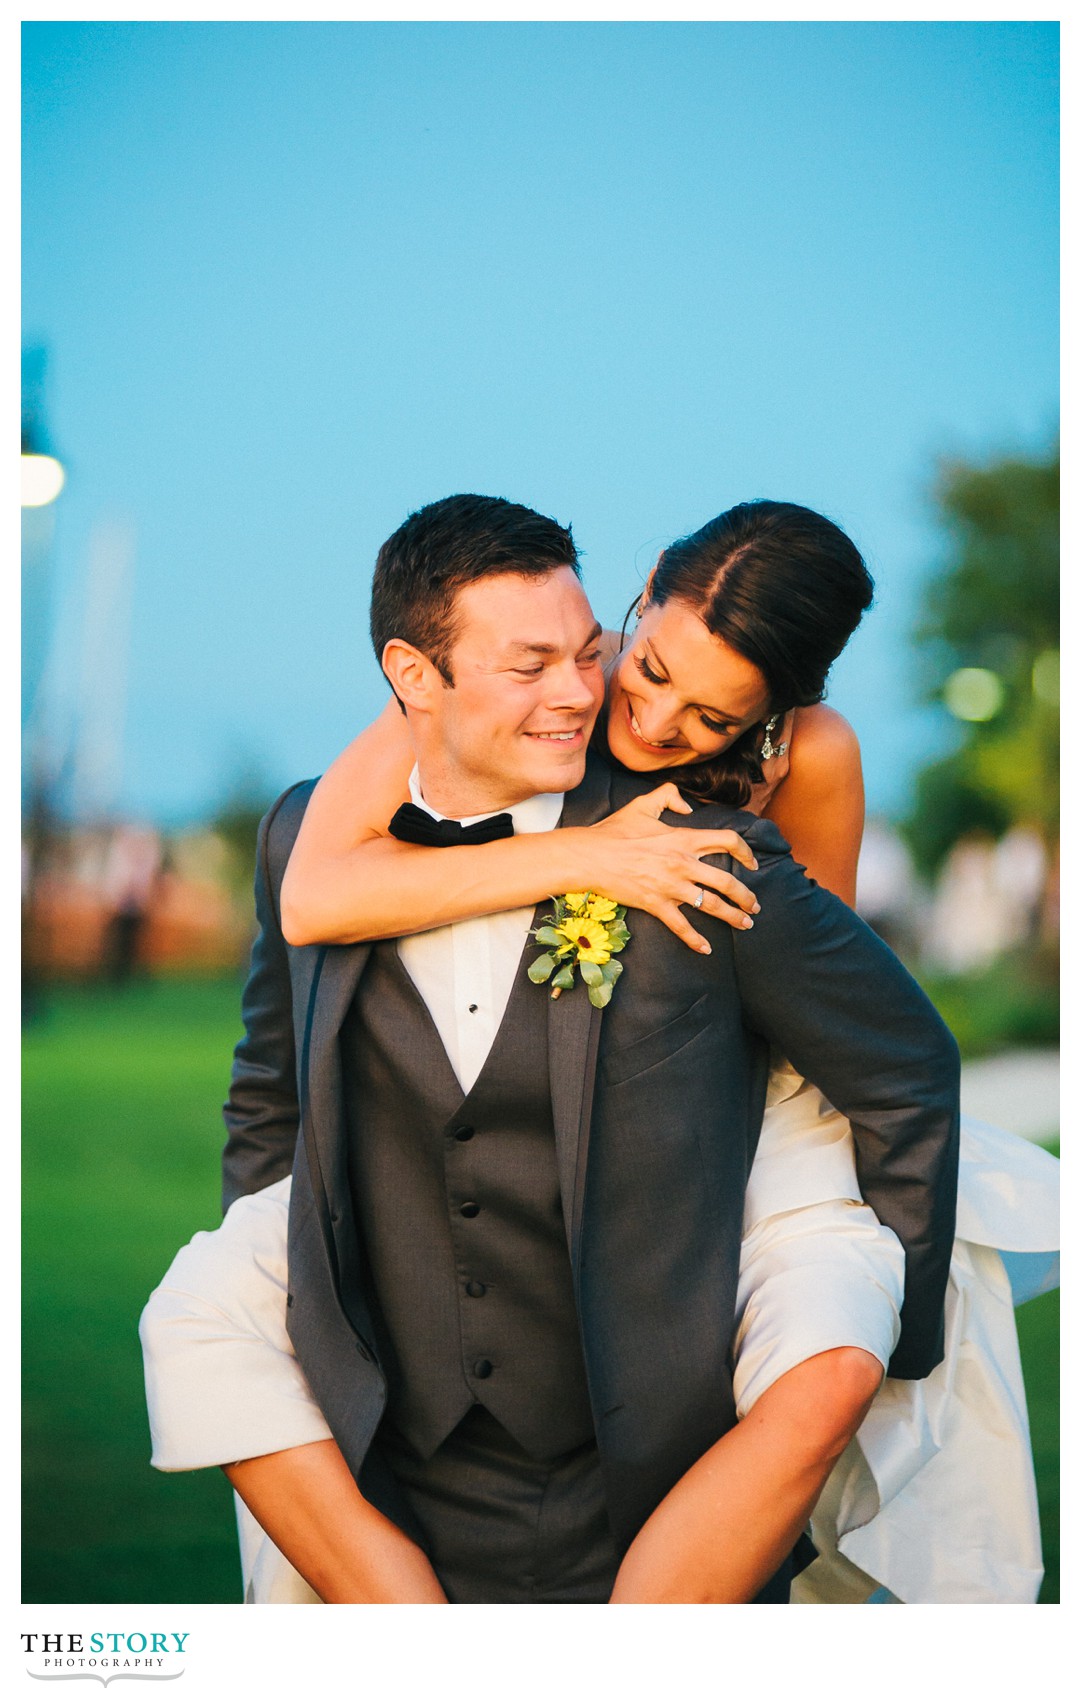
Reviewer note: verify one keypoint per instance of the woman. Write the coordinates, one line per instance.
(738, 626)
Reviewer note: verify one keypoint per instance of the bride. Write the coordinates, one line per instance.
(916, 1491)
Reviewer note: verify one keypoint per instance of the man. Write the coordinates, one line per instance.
(508, 1439)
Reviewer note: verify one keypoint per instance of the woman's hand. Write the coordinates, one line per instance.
(637, 860)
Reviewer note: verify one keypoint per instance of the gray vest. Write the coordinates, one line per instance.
(457, 1200)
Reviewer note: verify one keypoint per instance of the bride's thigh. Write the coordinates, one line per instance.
(237, 1273)
(222, 1380)
(812, 1280)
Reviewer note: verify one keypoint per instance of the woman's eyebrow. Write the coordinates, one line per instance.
(703, 707)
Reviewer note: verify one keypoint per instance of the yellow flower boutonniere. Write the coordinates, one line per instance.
(585, 932)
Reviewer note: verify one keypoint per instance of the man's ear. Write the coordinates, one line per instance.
(414, 679)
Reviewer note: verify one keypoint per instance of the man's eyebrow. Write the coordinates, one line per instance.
(716, 713)
(522, 648)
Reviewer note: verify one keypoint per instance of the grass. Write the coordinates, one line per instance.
(1011, 1005)
(120, 1166)
(121, 1142)
(1038, 1329)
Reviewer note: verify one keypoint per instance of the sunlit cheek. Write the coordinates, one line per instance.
(616, 684)
(594, 678)
(706, 744)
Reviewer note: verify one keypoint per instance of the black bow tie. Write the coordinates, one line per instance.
(417, 826)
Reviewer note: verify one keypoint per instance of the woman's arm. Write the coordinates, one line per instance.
(352, 805)
(820, 807)
(347, 880)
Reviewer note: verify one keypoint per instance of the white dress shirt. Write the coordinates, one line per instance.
(465, 971)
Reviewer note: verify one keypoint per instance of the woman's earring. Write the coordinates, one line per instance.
(769, 748)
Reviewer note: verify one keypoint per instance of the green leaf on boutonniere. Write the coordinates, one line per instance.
(585, 931)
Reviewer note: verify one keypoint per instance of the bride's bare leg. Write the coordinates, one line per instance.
(309, 1504)
(727, 1525)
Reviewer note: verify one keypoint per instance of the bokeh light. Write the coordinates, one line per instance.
(42, 480)
(974, 693)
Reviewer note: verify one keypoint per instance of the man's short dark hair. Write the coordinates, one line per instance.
(420, 570)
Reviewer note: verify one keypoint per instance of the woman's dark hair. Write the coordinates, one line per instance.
(785, 588)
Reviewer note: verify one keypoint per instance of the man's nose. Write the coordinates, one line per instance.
(571, 687)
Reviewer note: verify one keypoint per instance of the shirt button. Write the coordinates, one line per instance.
(464, 1133)
(482, 1369)
(475, 1289)
(470, 1209)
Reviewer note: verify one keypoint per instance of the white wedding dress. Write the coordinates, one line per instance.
(933, 1502)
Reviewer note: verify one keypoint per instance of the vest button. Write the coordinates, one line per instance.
(461, 1134)
(469, 1209)
(482, 1369)
(475, 1289)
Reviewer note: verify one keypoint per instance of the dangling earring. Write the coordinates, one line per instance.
(769, 748)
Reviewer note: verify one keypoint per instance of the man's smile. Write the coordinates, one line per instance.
(572, 738)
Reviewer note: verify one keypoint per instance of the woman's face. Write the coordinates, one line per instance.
(677, 694)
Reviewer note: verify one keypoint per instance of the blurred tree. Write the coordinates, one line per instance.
(988, 637)
(236, 823)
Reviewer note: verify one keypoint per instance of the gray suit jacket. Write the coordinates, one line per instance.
(657, 1105)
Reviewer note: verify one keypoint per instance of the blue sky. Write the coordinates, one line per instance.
(297, 279)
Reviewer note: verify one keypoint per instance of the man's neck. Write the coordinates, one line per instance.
(461, 796)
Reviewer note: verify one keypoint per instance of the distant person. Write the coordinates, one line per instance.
(130, 881)
(886, 894)
(738, 626)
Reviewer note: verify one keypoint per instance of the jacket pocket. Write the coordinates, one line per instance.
(659, 1045)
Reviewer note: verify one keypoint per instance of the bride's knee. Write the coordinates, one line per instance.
(847, 1380)
(824, 1399)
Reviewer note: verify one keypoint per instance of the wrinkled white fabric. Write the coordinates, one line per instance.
(933, 1502)
(810, 1280)
(222, 1382)
(804, 1154)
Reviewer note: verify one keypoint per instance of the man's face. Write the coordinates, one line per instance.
(527, 690)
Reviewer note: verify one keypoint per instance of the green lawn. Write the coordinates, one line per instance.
(1038, 1327)
(120, 1165)
(121, 1139)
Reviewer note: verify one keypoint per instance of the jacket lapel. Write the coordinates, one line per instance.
(574, 1027)
(334, 981)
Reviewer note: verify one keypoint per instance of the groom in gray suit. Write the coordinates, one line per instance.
(515, 1222)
